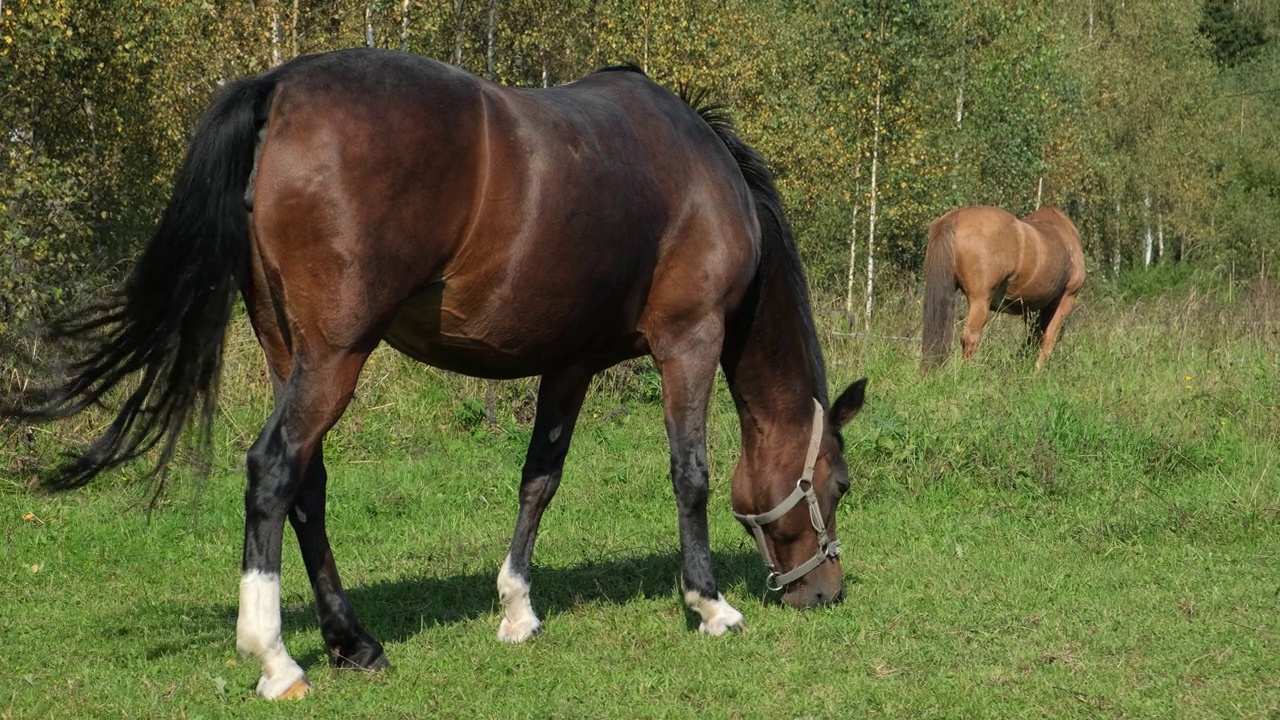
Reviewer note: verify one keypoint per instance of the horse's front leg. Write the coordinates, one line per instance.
(688, 366)
(560, 396)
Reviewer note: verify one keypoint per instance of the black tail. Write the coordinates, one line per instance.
(169, 320)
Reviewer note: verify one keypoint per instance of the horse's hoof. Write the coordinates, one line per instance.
(368, 657)
(282, 688)
(718, 616)
(721, 626)
(518, 632)
(296, 690)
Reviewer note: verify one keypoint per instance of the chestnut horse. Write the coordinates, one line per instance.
(1003, 264)
(360, 196)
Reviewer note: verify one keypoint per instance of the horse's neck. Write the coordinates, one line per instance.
(772, 361)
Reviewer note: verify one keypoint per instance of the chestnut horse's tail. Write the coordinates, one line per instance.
(939, 292)
(167, 323)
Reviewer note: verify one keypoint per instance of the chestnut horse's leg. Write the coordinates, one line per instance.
(318, 390)
(560, 396)
(974, 321)
(687, 364)
(1051, 320)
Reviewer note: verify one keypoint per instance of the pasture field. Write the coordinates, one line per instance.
(1101, 539)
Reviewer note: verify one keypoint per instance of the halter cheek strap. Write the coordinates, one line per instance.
(827, 547)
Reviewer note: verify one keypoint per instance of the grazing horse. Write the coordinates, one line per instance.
(360, 196)
(1002, 264)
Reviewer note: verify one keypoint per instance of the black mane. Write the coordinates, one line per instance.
(778, 243)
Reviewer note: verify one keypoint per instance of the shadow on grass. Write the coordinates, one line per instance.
(395, 611)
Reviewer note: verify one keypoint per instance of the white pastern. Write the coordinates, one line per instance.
(718, 616)
(520, 623)
(258, 634)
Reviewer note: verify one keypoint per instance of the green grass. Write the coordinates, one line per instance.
(1096, 540)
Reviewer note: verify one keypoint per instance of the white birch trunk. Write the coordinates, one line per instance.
(1040, 192)
(648, 7)
(1159, 235)
(404, 25)
(275, 34)
(493, 18)
(1115, 249)
(955, 157)
(853, 257)
(457, 33)
(368, 26)
(1147, 244)
(871, 226)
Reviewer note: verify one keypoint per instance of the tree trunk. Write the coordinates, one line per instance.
(368, 26)
(275, 34)
(1115, 245)
(1147, 245)
(853, 257)
(955, 157)
(457, 32)
(404, 26)
(493, 17)
(871, 227)
(1159, 234)
(644, 65)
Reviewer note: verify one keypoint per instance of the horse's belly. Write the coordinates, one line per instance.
(504, 342)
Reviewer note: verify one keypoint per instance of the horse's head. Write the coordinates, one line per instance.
(790, 505)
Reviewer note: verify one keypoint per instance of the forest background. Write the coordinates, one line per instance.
(1153, 123)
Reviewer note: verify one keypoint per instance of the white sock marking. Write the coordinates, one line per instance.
(718, 616)
(520, 622)
(258, 633)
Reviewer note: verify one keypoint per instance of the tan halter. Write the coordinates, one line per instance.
(827, 547)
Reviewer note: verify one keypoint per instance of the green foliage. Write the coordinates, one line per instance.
(1137, 117)
(1236, 38)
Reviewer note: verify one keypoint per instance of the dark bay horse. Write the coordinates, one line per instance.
(1003, 264)
(361, 196)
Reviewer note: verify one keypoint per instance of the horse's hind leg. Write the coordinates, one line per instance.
(560, 396)
(1051, 320)
(279, 463)
(348, 643)
(974, 321)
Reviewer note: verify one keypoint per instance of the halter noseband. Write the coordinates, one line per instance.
(827, 547)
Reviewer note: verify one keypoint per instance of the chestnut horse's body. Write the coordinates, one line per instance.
(1003, 264)
(361, 196)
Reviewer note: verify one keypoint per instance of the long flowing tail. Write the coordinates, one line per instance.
(939, 293)
(168, 321)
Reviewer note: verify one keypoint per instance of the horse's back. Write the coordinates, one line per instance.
(1016, 264)
(496, 231)
(986, 246)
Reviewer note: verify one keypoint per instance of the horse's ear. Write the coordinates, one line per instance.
(848, 404)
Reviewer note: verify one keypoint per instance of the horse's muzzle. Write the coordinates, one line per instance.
(824, 587)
